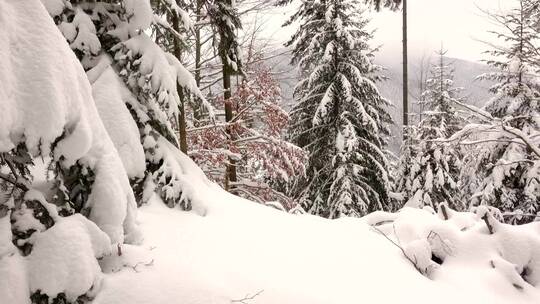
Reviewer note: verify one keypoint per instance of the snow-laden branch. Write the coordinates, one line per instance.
(494, 123)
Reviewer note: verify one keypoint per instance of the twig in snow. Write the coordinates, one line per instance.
(508, 214)
(444, 211)
(488, 224)
(413, 262)
(248, 297)
(431, 238)
(134, 267)
(384, 222)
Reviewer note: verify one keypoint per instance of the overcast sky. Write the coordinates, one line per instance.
(456, 23)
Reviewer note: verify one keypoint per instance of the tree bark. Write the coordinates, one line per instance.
(198, 45)
(226, 41)
(405, 69)
(182, 114)
(231, 166)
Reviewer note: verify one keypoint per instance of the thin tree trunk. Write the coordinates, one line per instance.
(231, 166)
(198, 45)
(405, 69)
(182, 114)
(198, 49)
(225, 45)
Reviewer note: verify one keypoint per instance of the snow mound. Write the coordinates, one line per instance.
(453, 245)
(242, 248)
(63, 258)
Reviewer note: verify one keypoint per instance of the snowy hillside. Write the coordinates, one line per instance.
(240, 249)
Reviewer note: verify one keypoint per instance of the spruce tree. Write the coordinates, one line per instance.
(504, 162)
(339, 118)
(429, 169)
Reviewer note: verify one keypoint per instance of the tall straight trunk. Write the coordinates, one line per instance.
(182, 113)
(198, 45)
(225, 44)
(405, 69)
(197, 112)
(231, 166)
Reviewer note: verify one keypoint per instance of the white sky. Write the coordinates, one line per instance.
(458, 24)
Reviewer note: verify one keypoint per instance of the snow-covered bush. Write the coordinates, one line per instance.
(50, 131)
(473, 241)
(111, 37)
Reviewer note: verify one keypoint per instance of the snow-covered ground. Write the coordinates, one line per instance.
(239, 249)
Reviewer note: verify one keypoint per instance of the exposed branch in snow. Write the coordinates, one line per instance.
(384, 222)
(486, 219)
(248, 297)
(134, 267)
(444, 211)
(413, 262)
(432, 236)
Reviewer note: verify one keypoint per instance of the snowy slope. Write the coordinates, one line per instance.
(240, 248)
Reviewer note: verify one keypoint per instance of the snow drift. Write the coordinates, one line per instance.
(242, 248)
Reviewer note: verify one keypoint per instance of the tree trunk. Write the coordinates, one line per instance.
(197, 111)
(182, 114)
(405, 69)
(231, 166)
(198, 45)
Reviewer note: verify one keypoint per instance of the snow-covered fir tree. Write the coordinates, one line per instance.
(429, 170)
(49, 118)
(504, 160)
(339, 117)
(109, 37)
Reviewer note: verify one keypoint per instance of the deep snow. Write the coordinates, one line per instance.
(240, 247)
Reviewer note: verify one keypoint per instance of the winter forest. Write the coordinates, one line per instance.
(269, 151)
